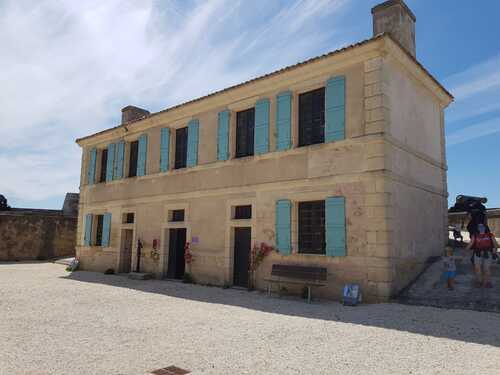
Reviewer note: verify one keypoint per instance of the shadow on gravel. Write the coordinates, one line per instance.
(461, 325)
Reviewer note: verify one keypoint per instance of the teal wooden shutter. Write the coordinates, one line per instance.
(261, 138)
(106, 229)
(142, 155)
(164, 149)
(223, 136)
(119, 158)
(192, 151)
(87, 238)
(91, 167)
(335, 109)
(284, 121)
(111, 162)
(335, 226)
(284, 226)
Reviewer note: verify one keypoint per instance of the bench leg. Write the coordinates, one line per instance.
(308, 294)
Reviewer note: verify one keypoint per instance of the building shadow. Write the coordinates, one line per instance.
(462, 325)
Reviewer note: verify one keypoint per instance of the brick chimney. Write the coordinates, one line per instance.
(396, 18)
(132, 113)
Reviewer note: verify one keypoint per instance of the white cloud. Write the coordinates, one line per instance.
(474, 131)
(67, 67)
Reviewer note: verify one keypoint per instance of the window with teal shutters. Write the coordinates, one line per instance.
(335, 109)
(106, 229)
(87, 238)
(284, 226)
(119, 160)
(335, 226)
(261, 138)
(91, 167)
(111, 162)
(192, 151)
(142, 155)
(164, 149)
(284, 121)
(223, 135)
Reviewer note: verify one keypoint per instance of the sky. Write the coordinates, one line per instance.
(68, 67)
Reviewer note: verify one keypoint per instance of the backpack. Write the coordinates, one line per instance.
(482, 241)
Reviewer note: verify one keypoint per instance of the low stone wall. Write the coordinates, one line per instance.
(36, 234)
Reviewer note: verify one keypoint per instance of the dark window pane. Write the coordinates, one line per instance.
(312, 227)
(243, 212)
(178, 215)
(98, 232)
(104, 165)
(134, 149)
(245, 123)
(181, 136)
(312, 117)
(129, 218)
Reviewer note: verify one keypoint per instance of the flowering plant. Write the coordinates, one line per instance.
(188, 257)
(259, 253)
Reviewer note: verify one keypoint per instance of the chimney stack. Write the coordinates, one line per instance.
(394, 17)
(132, 113)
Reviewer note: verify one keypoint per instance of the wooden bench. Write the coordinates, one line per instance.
(291, 274)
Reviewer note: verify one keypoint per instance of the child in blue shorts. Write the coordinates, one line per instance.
(450, 268)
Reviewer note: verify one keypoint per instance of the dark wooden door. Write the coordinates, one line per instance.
(242, 244)
(126, 256)
(176, 263)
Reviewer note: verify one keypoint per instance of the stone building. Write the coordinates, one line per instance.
(337, 161)
(39, 234)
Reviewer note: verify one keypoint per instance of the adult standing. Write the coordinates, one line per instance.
(484, 245)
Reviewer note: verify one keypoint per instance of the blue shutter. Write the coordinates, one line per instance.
(284, 226)
(192, 151)
(91, 167)
(106, 229)
(223, 136)
(111, 162)
(335, 226)
(164, 149)
(284, 121)
(335, 109)
(120, 156)
(261, 139)
(88, 230)
(142, 155)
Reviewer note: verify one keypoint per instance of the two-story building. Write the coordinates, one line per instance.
(337, 161)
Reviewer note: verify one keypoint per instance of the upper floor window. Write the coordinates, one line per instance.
(312, 227)
(132, 165)
(181, 138)
(245, 123)
(104, 165)
(312, 117)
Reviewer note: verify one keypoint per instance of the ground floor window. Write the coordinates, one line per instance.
(311, 220)
(243, 212)
(98, 229)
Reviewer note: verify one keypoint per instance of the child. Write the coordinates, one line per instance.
(450, 268)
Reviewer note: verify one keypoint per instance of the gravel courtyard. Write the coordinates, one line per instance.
(52, 322)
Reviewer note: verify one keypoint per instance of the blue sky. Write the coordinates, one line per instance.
(68, 67)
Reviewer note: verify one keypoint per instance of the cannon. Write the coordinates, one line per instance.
(3, 203)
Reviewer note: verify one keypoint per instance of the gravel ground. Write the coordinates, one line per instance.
(88, 323)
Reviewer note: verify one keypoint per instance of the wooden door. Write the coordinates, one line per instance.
(176, 262)
(242, 244)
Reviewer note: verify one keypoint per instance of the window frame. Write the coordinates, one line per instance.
(99, 230)
(133, 158)
(245, 129)
(242, 212)
(103, 166)
(181, 148)
(313, 206)
(316, 124)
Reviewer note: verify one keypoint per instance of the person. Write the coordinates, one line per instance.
(449, 268)
(457, 233)
(484, 245)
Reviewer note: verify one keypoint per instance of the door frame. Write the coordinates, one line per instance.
(133, 227)
(229, 235)
(234, 257)
(165, 233)
(122, 243)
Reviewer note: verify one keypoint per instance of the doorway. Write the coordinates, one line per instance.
(176, 262)
(242, 245)
(126, 251)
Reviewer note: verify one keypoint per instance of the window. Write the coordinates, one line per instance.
(312, 227)
(132, 165)
(177, 215)
(181, 138)
(128, 218)
(245, 123)
(243, 212)
(98, 230)
(104, 165)
(312, 117)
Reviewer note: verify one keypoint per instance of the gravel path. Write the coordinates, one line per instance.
(89, 323)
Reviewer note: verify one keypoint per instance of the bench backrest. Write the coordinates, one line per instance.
(299, 272)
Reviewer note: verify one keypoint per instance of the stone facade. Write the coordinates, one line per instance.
(390, 168)
(34, 234)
